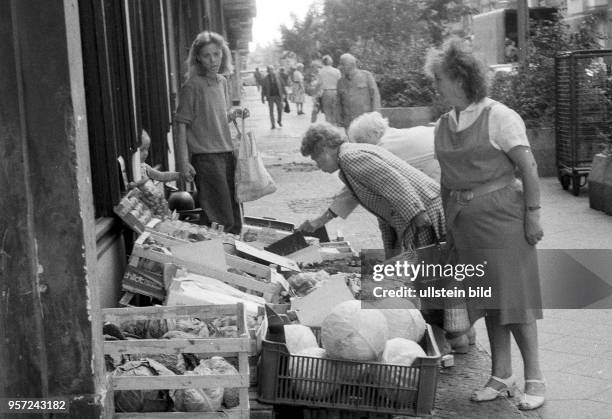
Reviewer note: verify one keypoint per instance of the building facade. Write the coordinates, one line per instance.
(80, 80)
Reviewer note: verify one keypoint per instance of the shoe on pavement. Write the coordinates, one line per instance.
(273, 127)
(507, 388)
(279, 124)
(531, 401)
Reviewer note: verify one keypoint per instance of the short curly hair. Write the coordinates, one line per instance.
(460, 64)
(319, 136)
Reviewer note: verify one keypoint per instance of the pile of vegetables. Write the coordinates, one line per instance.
(182, 400)
(351, 333)
(187, 231)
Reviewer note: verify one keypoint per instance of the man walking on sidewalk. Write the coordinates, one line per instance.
(272, 91)
(357, 91)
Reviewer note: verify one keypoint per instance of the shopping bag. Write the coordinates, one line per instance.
(252, 179)
(456, 319)
(287, 108)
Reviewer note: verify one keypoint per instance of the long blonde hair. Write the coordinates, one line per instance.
(200, 41)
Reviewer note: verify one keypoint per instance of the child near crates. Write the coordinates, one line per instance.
(147, 172)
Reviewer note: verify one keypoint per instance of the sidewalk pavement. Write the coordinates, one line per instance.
(575, 345)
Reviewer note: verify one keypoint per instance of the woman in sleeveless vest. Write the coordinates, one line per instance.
(492, 217)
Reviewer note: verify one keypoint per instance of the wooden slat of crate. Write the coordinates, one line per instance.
(253, 268)
(166, 346)
(250, 267)
(199, 268)
(162, 382)
(126, 298)
(240, 380)
(115, 315)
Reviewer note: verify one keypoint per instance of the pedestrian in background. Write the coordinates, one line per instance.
(297, 88)
(491, 216)
(284, 79)
(258, 78)
(202, 119)
(357, 91)
(272, 91)
(328, 83)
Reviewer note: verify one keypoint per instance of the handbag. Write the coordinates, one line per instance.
(252, 179)
(287, 108)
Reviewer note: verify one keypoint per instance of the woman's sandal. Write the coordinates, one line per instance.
(532, 401)
(489, 393)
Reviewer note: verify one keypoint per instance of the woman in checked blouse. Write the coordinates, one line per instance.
(406, 202)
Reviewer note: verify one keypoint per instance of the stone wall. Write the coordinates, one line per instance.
(407, 117)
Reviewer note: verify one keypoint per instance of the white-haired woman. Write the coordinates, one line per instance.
(414, 145)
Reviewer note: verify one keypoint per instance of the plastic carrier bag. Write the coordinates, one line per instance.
(252, 179)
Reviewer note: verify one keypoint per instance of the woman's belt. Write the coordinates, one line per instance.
(467, 195)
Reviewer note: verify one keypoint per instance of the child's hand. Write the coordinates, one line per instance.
(188, 173)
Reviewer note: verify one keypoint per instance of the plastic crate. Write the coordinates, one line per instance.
(286, 379)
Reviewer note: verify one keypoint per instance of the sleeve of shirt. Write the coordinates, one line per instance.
(436, 128)
(340, 102)
(506, 129)
(162, 176)
(374, 93)
(185, 112)
(388, 235)
(228, 99)
(344, 203)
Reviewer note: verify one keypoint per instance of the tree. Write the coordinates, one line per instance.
(530, 90)
(388, 37)
(303, 37)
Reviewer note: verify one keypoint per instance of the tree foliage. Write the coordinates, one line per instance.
(530, 90)
(302, 38)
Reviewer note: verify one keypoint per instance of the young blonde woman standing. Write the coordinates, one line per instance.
(204, 145)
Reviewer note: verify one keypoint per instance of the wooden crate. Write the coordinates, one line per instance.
(261, 286)
(236, 347)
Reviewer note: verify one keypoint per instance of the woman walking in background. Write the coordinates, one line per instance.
(491, 216)
(298, 91)
(204, 143)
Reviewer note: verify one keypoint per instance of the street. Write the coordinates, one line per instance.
(575, 345)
